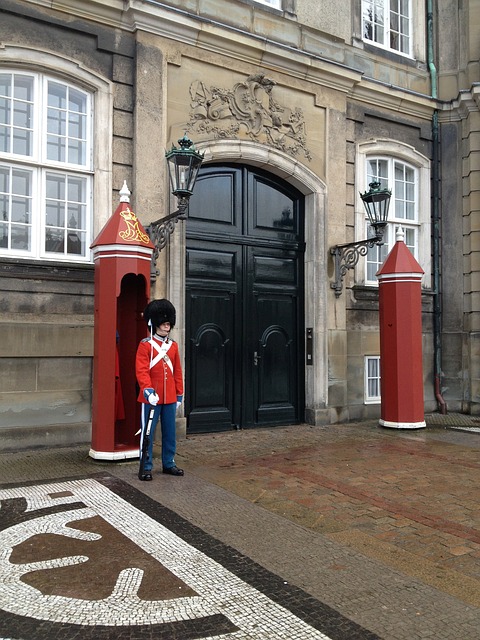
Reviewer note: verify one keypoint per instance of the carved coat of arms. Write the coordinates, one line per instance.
(249, 107)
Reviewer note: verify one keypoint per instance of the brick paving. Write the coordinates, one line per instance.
(379, 528)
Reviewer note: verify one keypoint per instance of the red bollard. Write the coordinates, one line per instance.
(401, 361)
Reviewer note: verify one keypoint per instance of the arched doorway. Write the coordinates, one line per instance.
(244, 301)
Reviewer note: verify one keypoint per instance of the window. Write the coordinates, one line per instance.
(372, 379)
(45, 167)
(402, 180)
(388, 23)
(405, 171)
(276, 4)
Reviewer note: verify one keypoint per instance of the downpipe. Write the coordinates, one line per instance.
(437, 306)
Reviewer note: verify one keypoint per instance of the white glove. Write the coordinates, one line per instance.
(179, 404)
(153, 399)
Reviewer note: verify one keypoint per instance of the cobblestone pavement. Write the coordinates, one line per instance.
(341, 532)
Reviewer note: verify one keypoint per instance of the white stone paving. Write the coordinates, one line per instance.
(220, 591)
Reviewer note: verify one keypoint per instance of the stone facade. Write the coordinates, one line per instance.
(298, 92)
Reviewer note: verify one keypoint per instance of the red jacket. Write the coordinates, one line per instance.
(167, 385)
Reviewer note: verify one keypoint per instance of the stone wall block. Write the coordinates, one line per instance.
(55, 374)
(123, 97)
(25, 409)
(18, 374)
(46, 340)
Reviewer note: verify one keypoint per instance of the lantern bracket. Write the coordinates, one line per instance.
(160, 231)
(346, 256)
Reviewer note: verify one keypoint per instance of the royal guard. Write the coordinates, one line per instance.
(159, 375)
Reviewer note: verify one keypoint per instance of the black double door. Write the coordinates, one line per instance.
(244, 306)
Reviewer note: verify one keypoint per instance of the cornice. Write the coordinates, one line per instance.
(467, 102)
(182, 27)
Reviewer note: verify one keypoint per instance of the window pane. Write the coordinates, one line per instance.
(4, 139)
(56, 148)
(15, 208)
(55, 212)
(21, 200)
(57, 95)
(4, 179)
(5, 84)
(376, 255)
(76, 189)
(373, 20)
(404, 192)
(20, 209)
(67, 125)
(76, 126)
(22, 142)
(373, 389)
(3, 207)
(55, 186)
(411, 240)
(5, 110)
(66, 214)
(76, 152)
(77, 101)
(23, 88)
(76, 216)
(20, 237)
(16, 114)
(76, 243)
(22, 114)
(378, 170)
(3, 235)
(56, 122)
(54, 241)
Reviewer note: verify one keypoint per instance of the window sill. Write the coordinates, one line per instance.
(46, 270)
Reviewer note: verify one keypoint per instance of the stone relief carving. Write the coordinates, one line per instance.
(251, 107)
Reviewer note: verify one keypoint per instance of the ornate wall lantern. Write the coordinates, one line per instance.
(346, 256)
(183, 165)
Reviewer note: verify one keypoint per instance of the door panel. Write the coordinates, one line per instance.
(273, 213)
(274, 336)
(209, 354)
(215, 206)
(244, 342)
(212, 308)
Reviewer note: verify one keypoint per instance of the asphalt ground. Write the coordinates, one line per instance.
(341, 532)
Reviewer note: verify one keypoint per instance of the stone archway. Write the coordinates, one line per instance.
(314, 190)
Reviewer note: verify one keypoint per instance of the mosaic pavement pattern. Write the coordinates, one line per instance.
(94, 558)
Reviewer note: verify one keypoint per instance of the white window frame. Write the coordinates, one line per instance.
(64, 70)
(369, 397)
(410, 226)
(388, 10)
(39, 165)
(383, 148)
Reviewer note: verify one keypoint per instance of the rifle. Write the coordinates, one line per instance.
(146, 442)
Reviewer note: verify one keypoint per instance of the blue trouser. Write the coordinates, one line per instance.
(166, 413)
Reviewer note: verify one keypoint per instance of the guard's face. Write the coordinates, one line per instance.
(164, 329)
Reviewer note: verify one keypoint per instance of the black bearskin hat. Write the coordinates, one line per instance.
(160, 311)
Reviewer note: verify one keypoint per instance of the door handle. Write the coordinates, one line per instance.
(256, 358)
